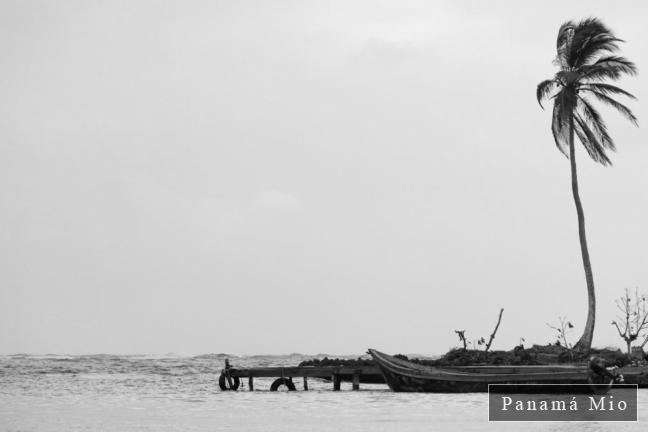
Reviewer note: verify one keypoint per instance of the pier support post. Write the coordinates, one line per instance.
(306, 383)
(356, 380)
(251, 383)
(336, 382)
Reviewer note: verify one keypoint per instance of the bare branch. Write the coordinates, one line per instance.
(634, 319)
(618, 329)
(492, 336)
(462, 338)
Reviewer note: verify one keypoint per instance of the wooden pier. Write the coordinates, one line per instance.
(231, 377)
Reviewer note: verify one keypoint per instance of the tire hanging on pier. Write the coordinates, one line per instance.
(225, 384)
(283, 381)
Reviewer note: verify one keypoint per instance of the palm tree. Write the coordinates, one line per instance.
(586, 58)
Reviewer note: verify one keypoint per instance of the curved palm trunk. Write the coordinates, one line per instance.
(585, 341)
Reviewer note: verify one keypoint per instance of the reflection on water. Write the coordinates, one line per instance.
(121, 393)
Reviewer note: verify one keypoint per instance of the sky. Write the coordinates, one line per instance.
(255, 177)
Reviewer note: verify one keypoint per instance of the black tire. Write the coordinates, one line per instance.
(224, 383)
(283, 381)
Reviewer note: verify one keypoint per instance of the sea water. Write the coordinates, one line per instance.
(172, 393)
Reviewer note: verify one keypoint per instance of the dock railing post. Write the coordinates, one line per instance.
(227, 373)
(336, 381)
(356, 380)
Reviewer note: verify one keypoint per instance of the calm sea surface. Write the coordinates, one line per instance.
(143, 393)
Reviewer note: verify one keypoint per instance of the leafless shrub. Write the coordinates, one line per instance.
(633, 318)
(562, 329)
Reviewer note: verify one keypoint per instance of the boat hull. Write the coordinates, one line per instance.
(405, 376)
(401, 383)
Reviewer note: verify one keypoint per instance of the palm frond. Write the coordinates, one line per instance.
(590, 141)
(606, 89)
(544, 90)
(624, 110)
(591, 39)
(559, 126)
(565, 34)
(594, 120)
(611, 67)
(629, 67)
(594, 48)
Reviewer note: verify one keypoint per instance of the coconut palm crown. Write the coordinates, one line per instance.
(586, 58)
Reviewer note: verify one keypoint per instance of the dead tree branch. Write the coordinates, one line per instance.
(633, 318)
(492, 336)
(462, 338)
(562, 331)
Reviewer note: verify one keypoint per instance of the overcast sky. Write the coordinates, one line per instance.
(273, 177)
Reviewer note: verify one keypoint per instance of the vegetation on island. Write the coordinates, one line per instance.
(536, 355)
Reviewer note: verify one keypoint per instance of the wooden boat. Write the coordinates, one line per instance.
(405, 376)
